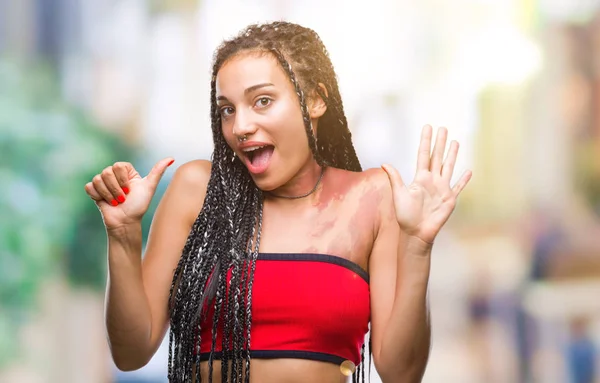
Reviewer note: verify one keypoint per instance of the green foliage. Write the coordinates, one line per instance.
(48, 225)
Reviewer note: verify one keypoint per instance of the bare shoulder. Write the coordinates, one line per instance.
(194, 174)
(371, 183)
(369, 191)
(377, 178)
(191, 180)
(378, 181)
(186, 191)
(379, 189)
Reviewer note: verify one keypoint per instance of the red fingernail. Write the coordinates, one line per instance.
(125, 190)
(170, 163)
(114, 202)
(121, 199)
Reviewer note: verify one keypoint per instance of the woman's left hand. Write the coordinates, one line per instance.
(424, 206)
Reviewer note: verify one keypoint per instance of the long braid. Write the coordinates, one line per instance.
(180, 314)
(218, 262)
(312, 142)
(347, 157)
(254, 246)
(231, 300)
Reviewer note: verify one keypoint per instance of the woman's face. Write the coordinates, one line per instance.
(257, 100)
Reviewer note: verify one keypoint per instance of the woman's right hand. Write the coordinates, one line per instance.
(122, 195)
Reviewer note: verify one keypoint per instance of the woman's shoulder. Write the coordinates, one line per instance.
(373, 178)
(370, 193)
(188, 187)
(370, 186)
(376, 176)
(194, 174)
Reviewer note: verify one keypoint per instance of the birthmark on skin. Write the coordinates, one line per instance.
(369, 202)
(361, 226)
(359, 219)
(349, 226)
(339, 184)
(323, 228)
(340, 246)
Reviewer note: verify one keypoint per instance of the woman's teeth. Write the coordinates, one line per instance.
(253, 148)
(250, 151)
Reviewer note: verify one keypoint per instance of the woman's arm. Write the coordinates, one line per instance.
(411, 216)
(138, 290)
(399, 273)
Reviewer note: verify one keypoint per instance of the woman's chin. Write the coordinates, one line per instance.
(264, 185)
(266, 181)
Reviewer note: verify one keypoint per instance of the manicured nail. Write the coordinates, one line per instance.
(114, 202)
(170, 163)
(121, 199)
(125, 190)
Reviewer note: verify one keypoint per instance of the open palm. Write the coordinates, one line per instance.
(424, 206)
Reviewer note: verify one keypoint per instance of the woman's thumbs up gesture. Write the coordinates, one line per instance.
(122, 195)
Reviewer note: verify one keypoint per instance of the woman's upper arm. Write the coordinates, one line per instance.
(171, 225)
(383, 267)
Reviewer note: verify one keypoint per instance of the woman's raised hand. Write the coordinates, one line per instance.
(423, 206)
(122, 195)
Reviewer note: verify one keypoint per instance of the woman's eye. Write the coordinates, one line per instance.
(226, 111)
(263, 101)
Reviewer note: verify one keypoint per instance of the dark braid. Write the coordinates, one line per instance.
(226, 234)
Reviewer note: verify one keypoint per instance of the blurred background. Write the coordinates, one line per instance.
(515, 284)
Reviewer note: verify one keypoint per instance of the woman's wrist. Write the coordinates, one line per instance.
(418, 246)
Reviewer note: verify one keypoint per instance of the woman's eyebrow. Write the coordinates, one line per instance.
(248, 90)
(258, 86)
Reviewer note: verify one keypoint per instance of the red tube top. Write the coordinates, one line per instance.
(307, 306)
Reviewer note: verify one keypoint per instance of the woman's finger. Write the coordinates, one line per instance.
(450, 162)
(423, 157)
(113, 186)
(101, 188)
(394, 176)
(462, 182)
(91, 191)
(121, 171)
(437, 155)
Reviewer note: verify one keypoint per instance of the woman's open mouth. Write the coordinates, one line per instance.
(258, 157)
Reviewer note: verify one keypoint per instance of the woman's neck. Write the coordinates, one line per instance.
(304, 185)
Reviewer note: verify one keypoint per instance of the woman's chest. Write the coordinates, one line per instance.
(344, 229)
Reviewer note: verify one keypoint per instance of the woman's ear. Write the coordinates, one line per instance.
(317, 105)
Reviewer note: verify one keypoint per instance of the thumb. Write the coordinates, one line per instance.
(394, 177)
(158, 170)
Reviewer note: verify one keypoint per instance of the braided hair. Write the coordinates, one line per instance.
(226, 234)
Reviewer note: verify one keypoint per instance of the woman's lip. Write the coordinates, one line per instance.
(249, 144)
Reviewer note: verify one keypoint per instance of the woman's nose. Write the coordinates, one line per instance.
(244, 124)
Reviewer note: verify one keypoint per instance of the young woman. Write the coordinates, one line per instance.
(281, 245)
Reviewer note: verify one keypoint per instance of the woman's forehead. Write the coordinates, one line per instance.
(244, 71)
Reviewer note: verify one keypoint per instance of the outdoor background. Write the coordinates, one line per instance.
(515, 284)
